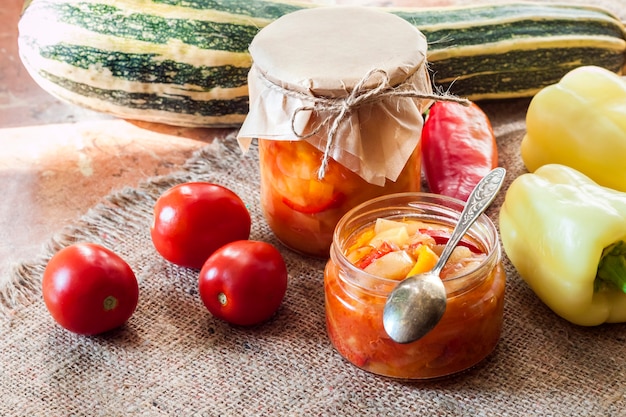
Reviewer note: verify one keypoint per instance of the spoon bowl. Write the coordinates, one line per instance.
(417, 303)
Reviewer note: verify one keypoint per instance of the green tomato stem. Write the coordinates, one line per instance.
(109, 303)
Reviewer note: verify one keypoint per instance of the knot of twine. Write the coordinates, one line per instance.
(339, 108)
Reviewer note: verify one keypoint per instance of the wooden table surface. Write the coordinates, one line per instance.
(58, 160)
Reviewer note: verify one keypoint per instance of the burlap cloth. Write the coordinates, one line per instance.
(173, 359)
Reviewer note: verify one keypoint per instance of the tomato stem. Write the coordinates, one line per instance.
(109, 303)
(221, 297)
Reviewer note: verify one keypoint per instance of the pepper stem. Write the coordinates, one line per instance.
(612, 266)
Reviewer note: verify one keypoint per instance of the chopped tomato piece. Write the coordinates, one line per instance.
(378, 252)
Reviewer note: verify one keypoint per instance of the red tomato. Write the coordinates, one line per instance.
(192, 220)
(244, 282)
(89, 289)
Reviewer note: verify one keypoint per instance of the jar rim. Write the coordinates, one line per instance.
(483, 225)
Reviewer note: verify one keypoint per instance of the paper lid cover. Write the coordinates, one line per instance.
(322, 64)
(325, 51)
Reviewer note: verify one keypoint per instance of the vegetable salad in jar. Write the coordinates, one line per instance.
(383, 241)
(302, 209)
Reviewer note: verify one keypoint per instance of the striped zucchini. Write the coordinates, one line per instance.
(185, 62)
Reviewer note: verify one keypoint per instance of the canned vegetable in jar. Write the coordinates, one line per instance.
(336, 102)
(381, 242)
(303, 210)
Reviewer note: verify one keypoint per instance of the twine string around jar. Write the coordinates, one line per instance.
(339, 108)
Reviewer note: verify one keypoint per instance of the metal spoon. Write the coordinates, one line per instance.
(417, 303)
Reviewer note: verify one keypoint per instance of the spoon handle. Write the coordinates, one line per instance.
(477, 202)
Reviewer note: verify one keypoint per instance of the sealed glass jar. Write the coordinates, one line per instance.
(475, 283)
(336, 102)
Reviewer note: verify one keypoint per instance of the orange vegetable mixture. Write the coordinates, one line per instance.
(303, 210)
(392, 250)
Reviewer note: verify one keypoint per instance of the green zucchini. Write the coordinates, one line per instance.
(185, 62)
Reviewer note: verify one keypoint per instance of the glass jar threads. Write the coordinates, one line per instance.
(359, 276)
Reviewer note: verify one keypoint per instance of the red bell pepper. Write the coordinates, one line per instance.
(441, 237)
(458, 148)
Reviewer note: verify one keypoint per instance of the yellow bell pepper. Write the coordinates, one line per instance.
(566, 236)
(426, 260)
(580, 122)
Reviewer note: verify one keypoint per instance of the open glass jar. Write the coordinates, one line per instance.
(469, 329)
